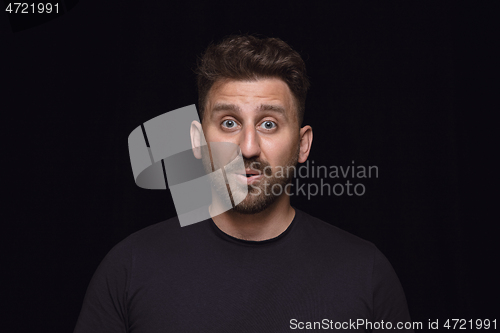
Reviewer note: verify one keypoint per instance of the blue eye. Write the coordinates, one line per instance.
(268, 125)
(228, 123)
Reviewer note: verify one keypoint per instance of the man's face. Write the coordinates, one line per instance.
(261, 118)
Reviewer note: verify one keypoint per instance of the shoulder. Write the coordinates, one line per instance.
(150, 239)
(153, 232)
(333, 234)
(337, 243)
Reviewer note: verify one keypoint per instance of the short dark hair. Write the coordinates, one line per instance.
(245, 57)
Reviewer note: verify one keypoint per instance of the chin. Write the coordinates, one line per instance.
(255, 206)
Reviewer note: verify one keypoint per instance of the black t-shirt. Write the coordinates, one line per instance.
(313, 276)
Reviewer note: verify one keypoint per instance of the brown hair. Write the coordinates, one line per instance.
(250, 58)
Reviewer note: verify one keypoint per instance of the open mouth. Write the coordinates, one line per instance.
(251, 173)
(250, 176)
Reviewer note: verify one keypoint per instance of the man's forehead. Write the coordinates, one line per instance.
(260, 95)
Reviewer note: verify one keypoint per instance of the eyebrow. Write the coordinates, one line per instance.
(225, 107)
(263, 107)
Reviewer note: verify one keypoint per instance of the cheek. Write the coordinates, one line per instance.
(278, 152)
(211, 134)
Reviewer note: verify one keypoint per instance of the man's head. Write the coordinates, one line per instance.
(252, 93)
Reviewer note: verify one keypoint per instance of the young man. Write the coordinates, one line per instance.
(262, 266)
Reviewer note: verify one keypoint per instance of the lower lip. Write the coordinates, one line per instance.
(248, 180)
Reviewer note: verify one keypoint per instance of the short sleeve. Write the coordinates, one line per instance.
(104, 307)
(389, 301)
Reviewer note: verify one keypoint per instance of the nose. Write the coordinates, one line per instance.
(249, 142)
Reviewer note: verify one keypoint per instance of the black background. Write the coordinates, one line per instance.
(384, 92)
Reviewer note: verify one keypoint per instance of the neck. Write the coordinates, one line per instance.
(264, 225)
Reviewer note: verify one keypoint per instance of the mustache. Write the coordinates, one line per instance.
(254, 164)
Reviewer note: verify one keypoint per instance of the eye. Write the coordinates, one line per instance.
(268, 125)
(228, 123)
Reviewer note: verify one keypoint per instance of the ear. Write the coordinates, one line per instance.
(197, 138)
(306, 138)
